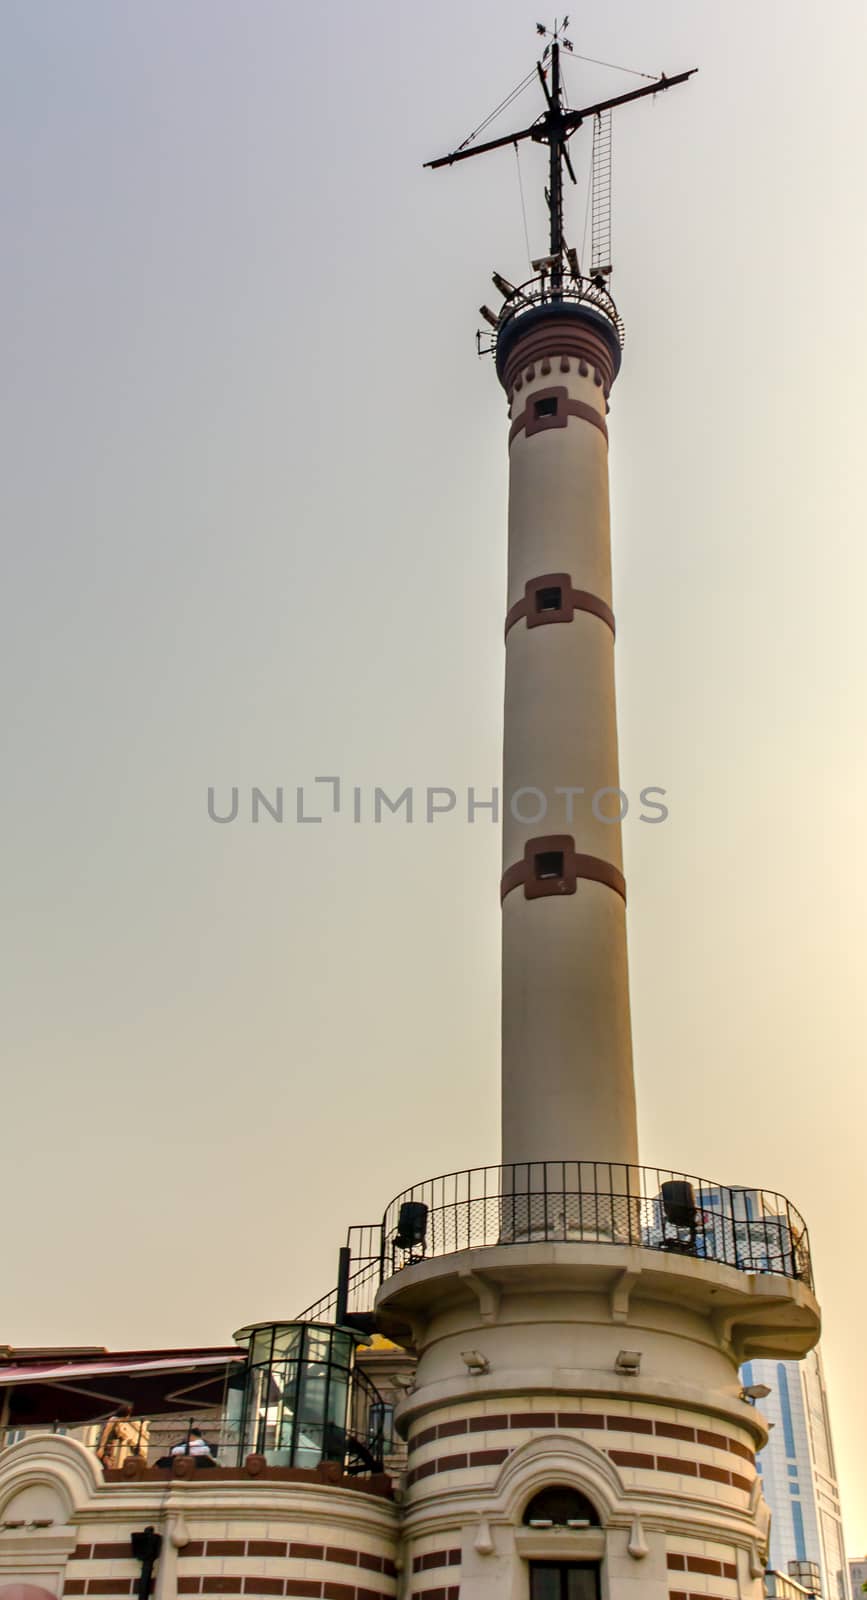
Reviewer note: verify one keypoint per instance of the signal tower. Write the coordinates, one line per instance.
(573, 1323)
(577, 1425)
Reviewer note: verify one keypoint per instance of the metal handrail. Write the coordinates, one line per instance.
(753, 1230)
(154, 1438)
(538, 291)
(582, 1202)
(362, 1287)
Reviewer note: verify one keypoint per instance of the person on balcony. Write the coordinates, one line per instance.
(195, 1445)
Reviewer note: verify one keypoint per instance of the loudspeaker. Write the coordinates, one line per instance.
(411, 1225)
(678, 1202)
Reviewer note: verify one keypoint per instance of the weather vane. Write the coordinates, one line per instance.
(556, 35)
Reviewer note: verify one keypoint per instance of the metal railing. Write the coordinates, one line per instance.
(365, 1244)
(581, 1202)
(592, 1202)
(215, 1440)
(209, 1438)
(573, 290)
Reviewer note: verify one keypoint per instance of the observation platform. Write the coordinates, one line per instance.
(736, 1256)
(537, 304)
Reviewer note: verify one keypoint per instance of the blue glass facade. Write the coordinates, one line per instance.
(797, 1470)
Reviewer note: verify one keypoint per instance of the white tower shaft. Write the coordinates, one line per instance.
(567, 1089)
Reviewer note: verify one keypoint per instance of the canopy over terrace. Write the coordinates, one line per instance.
(77, 1388)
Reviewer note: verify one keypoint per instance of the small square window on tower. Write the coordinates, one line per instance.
(548, 864)
(548, 598)
(546, 407)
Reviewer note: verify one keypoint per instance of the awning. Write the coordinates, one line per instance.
(154, 1383)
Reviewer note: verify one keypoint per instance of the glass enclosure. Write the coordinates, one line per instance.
(304, 1401)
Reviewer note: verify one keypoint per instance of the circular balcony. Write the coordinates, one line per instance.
(590, 293)
(738, 1256)
(576, 316)
(534, 305)
(589, 1202)
(729, 1264)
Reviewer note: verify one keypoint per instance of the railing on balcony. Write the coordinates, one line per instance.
(156, 1440)
(590, 292)
(591, 1202)
(577, 1202)
(365, 1244)
(306, 1414)
(298, 1400)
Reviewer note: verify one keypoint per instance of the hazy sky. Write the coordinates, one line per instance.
(253, 506)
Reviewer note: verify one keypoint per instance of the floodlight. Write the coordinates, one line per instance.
(628, 1362)
(755, 1391)
(475, 1362)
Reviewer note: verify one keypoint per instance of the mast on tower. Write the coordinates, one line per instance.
(559, 273)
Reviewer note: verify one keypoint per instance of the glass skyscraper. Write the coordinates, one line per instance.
(799, 1477)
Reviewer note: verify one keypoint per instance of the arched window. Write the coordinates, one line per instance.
(561, 1507)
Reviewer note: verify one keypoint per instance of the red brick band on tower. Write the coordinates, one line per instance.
(552, 865)
(552, 408)
(552, 598)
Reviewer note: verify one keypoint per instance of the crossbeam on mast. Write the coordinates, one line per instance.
(554, 128)
(539, 131)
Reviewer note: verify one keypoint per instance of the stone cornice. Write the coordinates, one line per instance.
(241, 1501)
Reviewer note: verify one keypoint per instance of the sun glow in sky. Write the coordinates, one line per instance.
(254, 516)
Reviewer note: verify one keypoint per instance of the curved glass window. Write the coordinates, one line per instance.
(304, 1402)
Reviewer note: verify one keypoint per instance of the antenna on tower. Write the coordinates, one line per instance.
(554, 128)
